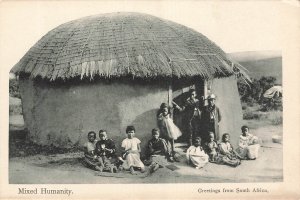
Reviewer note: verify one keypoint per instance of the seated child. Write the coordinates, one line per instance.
(132, 149)
(157, 151)
(105, 151)
(90, 157)
(248, 145)
(195, 154)
(227, 155)
(211, 147)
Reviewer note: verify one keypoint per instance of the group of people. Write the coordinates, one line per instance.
(202, 142)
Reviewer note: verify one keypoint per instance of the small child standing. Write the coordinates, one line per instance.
(211, 147)
(195, 154)
(168, 129)
(90, 157)
(132, 149)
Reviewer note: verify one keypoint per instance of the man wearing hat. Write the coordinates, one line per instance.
(210, 118)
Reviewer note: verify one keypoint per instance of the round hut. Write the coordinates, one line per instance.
(113, 70)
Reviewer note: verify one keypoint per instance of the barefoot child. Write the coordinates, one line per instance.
(105, 150)
(157, 151)
(195, 154)
(227, 155)
(211, 147)
(131, 151)
(90, 157)
(168, 129)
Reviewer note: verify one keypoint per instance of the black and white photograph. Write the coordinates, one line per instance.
(153, 92)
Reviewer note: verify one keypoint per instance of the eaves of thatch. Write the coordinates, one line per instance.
(124, 45)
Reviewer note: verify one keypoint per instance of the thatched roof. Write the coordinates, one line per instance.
(124, 44)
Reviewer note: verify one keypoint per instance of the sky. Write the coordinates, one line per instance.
(233, 25)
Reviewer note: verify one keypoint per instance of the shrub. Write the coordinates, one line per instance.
(253, 92)
(250, 114)
(14, 88)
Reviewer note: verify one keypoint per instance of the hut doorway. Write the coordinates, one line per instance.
(180, 93)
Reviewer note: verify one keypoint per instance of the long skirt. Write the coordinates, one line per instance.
(159, 159)
(133, 160)
(250, 151)
(227, 160)
(199, 161)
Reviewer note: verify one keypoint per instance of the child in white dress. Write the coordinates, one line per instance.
(195, 154)
(248, 145)
(131, 151)
(168, 129)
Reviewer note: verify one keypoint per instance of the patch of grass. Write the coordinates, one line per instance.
(271, 117)
(249, 114)
(275, 117)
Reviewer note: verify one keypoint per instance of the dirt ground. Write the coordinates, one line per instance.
(66, 168)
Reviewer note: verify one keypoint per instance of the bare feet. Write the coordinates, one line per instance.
(97, 168)
(143, 170)
(132, 171)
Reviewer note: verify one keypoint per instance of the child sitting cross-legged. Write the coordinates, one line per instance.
(157, 151)
(131, 151)
(90, 158)
(227, 155)
(195, 154)
(105, 150)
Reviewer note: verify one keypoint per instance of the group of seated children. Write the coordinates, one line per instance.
(101, 155)
(223, 153)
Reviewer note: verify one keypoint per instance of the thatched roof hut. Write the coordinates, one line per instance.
(112, 70)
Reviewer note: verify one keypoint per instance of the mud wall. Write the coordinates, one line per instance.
(228, 101)
(62, 115)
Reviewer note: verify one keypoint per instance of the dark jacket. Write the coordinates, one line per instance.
(109, 149)
(157, 147)
(210, 118)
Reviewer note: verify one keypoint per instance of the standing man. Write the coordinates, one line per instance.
(210, 118)
(192, 114)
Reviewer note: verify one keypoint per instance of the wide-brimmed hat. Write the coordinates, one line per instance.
(211, 96)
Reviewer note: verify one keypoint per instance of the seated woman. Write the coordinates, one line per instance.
(226, 154)
(105, 151)
(157, 151)
(195, 154)
(248, 145)
(90, 157)
(131, 151)
(211, 147)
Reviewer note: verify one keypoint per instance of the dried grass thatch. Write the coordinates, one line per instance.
(124, 44)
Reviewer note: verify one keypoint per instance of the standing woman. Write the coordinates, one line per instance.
(210, 117)
(168, 129)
